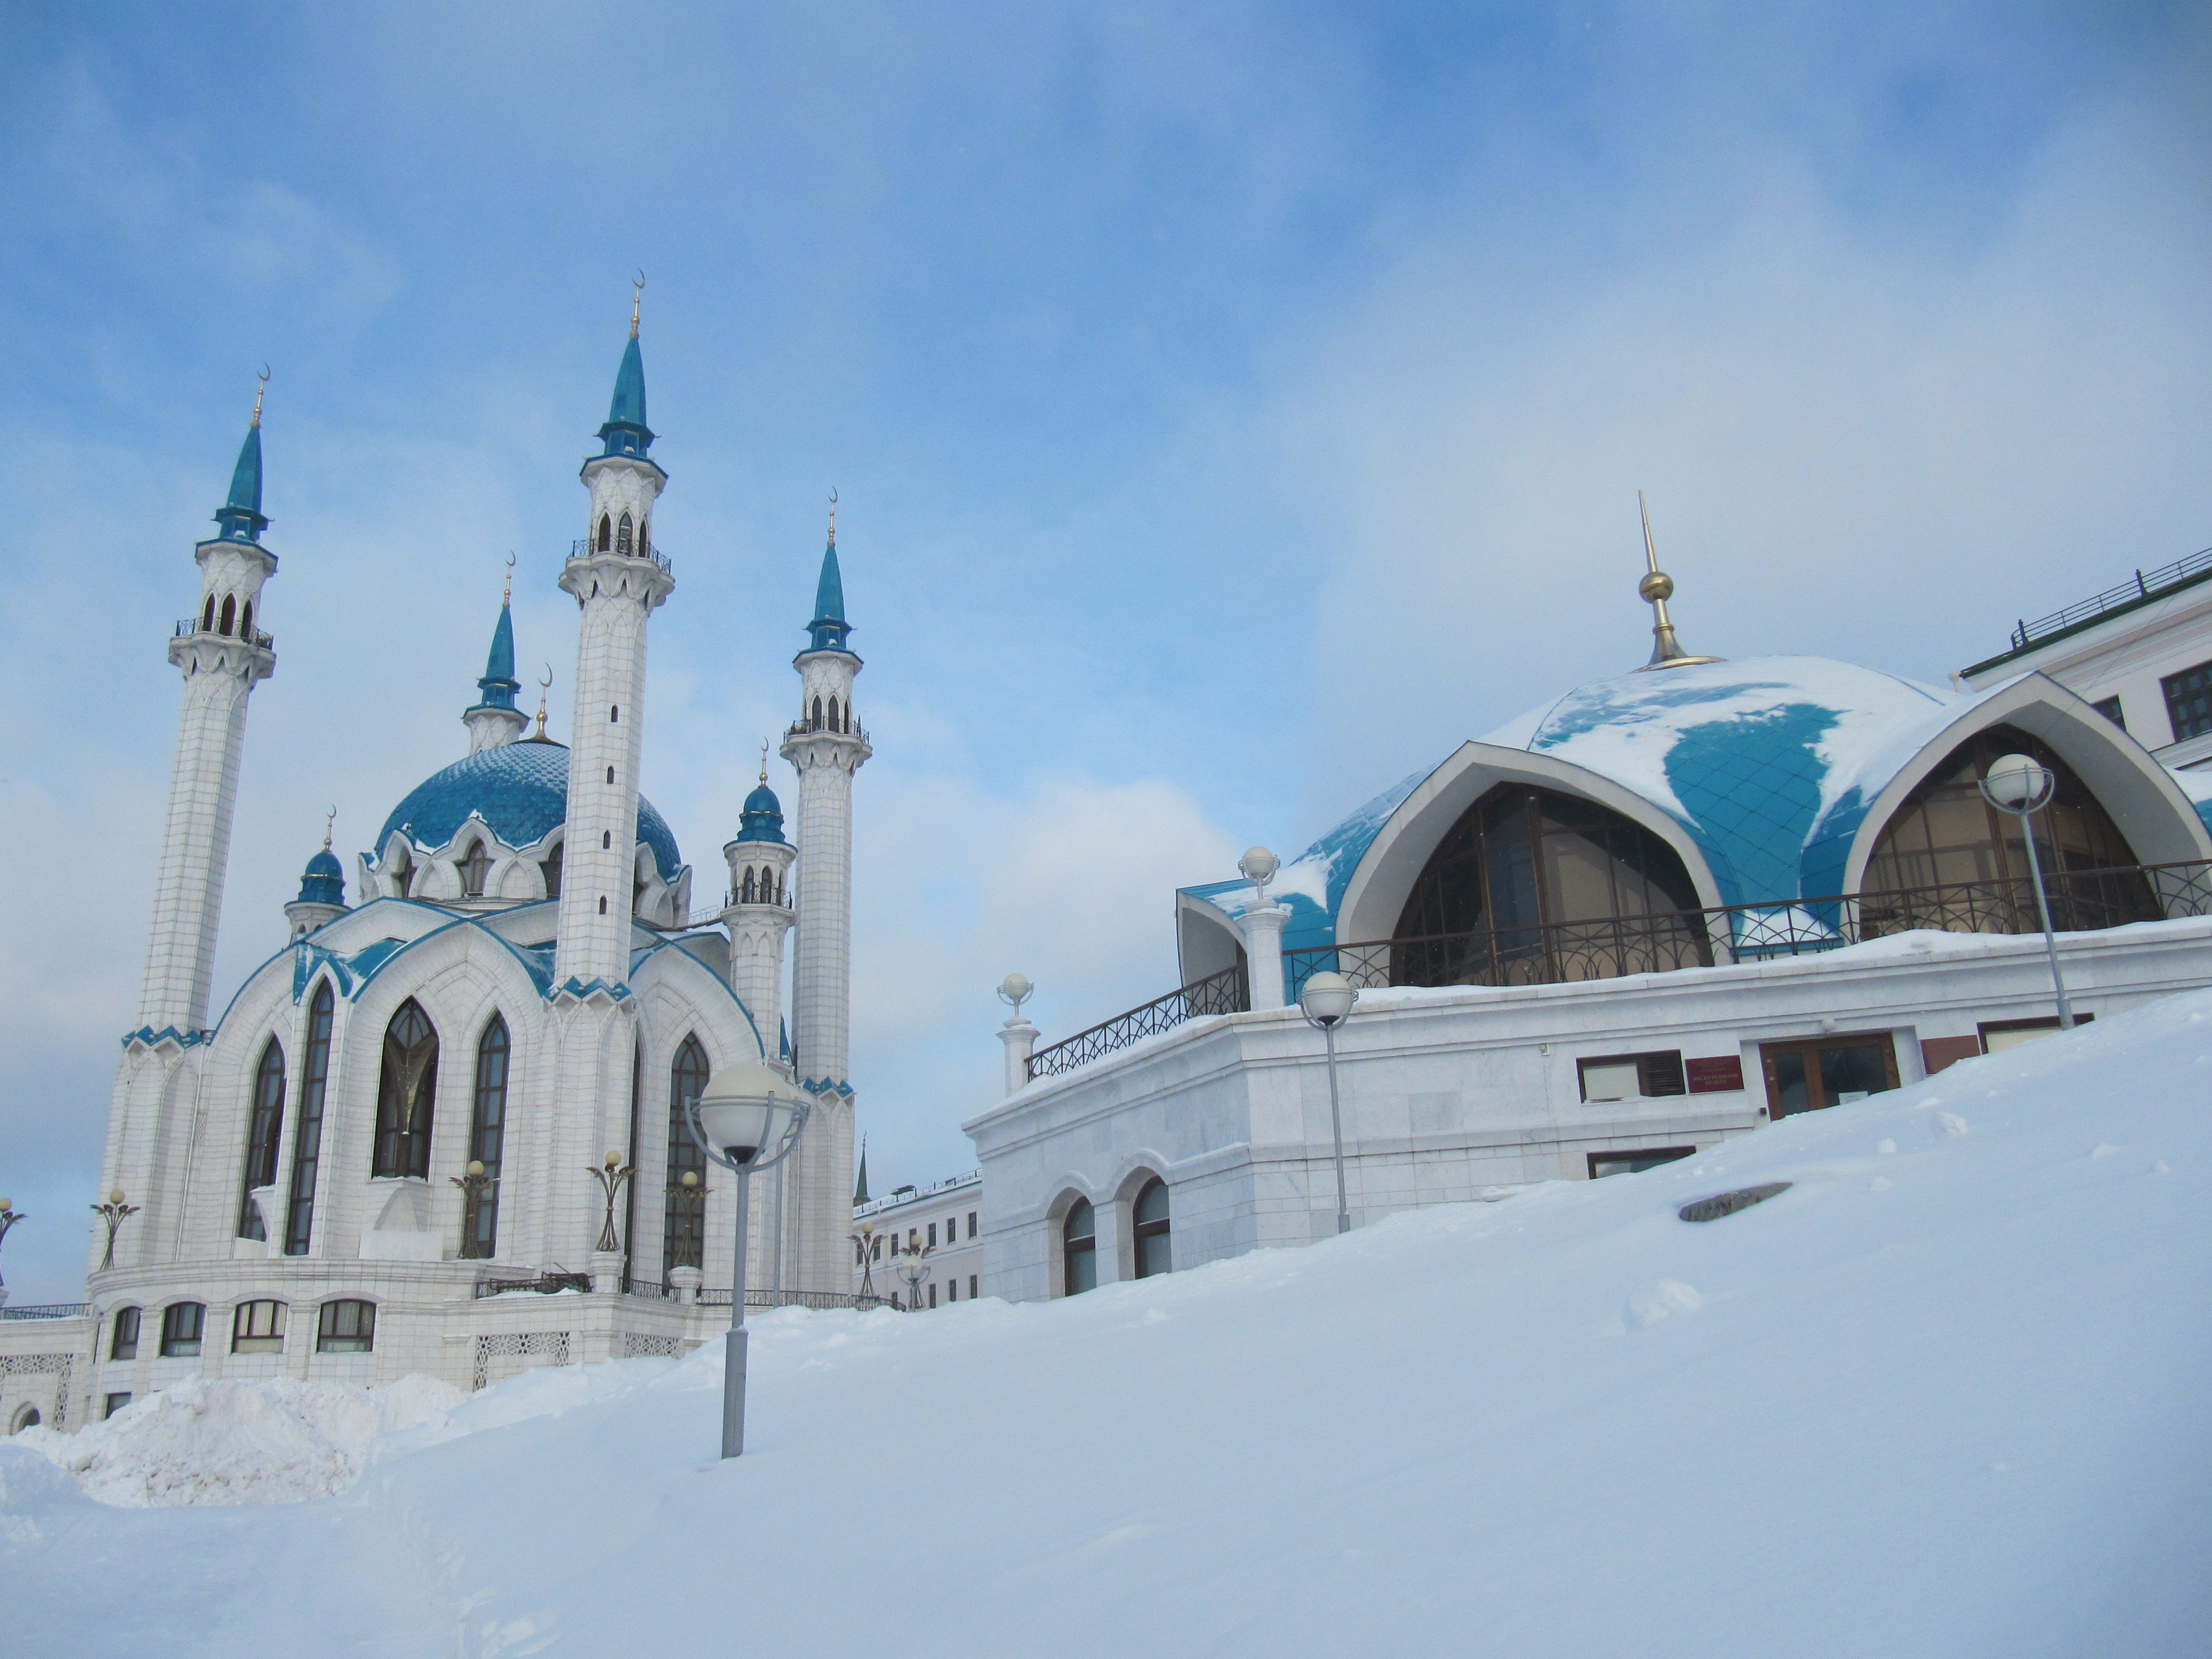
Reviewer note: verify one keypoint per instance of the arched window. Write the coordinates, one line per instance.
(207, 615)
(1531, 886)
(644, 537)
(551, 868)
(621, 535)
(607, 533)
(476, 869)
(26, 1417)
(245, 622)
(1948, 859)
(614, 714)
(1079, 1247)
(817, 714)
(307, 1132)
(263, 1120)
(257, 1328)
(182, 1326)
(606, 839)
(346, 1326)
(230, 612)
(603, 906)
(611, 775)
(1150, 1213)
(486, 1138)
(682, 1232)
(123, 1343)
(745, 891)
(406, 1095)
(833, 715)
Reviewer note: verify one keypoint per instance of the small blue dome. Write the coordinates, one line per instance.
(324, 881)
(763, 818)
(519, 789)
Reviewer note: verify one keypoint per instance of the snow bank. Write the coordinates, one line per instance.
(222, 1441)
(1943, 1395)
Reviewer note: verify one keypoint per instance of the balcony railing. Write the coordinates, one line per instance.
(806, 728)
(250, 635)
(2147, 584)
(47, 1310)
(1225, 992)
(582, 547)
(795, 1299)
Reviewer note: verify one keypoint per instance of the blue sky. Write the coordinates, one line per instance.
(1233, 408)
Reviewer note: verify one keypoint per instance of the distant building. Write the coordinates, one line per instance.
(933, 1233)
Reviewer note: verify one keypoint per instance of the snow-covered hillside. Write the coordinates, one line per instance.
(1947, 1396)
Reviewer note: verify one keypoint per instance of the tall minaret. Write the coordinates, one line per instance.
(826, 745)
(495, 720)
(618, 581)
(222, 656)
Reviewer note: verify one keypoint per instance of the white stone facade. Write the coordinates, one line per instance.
(935, 1231)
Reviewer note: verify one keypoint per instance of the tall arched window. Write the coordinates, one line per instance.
(245, 622)
(746, 890)
(817, 714)
(1079, 1247)
(406, 1095)
(1531, 886)
(207, 615)
(476, 869)
(1969, 864)
(1150, 1213)
(262, 1122)
(487, 1138)
(307, 1131)
(230, 612)
(644, 537)
(833, 715)
(621, 535)
(606, 533)
(683, 1233)
(551, 869)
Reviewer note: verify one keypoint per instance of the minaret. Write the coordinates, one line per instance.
(758, 913)
(222, 656)
(827, 745)
(495, 720)
(618, 581)
(322, 890)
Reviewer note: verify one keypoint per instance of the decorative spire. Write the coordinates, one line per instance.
(625, 432)
(830, 627)
(764, 777)
(1656, 588)
(637, 299)
(860, 1186)
(543, 686)
(241, 515)
(499, 684)
(330, 822)
(832, 493)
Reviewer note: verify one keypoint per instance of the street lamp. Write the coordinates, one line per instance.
(915, 1271)
(114, 1212)
(473, 1184)
(611, 1175)
(9, 1217)
(865, 1238)
(1325, 1000)
(746, 1120)
(2022, 785)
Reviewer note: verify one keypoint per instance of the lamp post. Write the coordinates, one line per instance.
(746, 1120)
(473, 1184)
(2022, 785)
(9, 1215)
(1325, 1000)
(610, 1175)
(114, 1212)
(915, 1272)
(865, 1238)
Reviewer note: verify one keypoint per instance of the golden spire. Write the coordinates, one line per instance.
(1656, 589)
(330, 819)
(833, 517)
(541, 686)
(506, 595)
(763, 760)
(259, 389)
(636, 299)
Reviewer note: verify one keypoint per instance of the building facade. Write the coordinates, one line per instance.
(921, 1246)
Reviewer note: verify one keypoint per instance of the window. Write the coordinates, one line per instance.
(606, 839)
(603, 907)
(932, 1296)
(262, 1123)
(952, 1290)
(1531, 886)
(476, 869)
(1945, 835)
(1807, 1077)
(614, 714)
(257, 1328)
(682, 1231)
(2109, 709)
(932, 1235)
(207, 615)
(181, 1325)
(745, 888)
(26, 1417)
(307, 1133)
(971, 1287)
(621, 535)
(817, 714)
(1078, 1244)
(833, 713)
(972, 1224)
(116, 1402)
(229, 614)
(606, 533)
(487, 1136)
(406, 1095)
(245, 621)
(552, 870)
(1150, 1211)
(1614, 1164)
(347, 1328)
(2188, 701)
(1632, 1077)
(124, 1344)
(611, 775)
(1999, 1035)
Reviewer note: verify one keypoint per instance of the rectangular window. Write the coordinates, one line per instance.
(932, 1296)
(2109, 709)
(181, 1324)
(971, 1287)
(1999, 1035)
(116, 1402)
(952, 1289)
(972, 1224)
(932, 1235)
(1632, 1076)
(125, 1343)
(1643, 1157)
(347, 1328)
(2188, 701)
(1807, 1077)
(257, 1328)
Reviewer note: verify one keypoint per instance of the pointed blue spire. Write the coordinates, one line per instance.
(626, 432)
(499, 684)
(830, 627)
(240, 516)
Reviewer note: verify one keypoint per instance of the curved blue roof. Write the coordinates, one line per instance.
(519, 789)
(763, 817)
(323, 882)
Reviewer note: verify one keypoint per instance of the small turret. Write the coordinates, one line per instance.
(625, 432)
(495, 720)
(758, 912)
(830, 628)
(322, 891)
(241, 515)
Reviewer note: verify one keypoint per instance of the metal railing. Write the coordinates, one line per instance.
(582, 547)
(247, 636)
(795, 1299)
(544, 1284)
(47, 1310)
(1225, 992)
(2147, 584)
(2081, 900)
(807, 728)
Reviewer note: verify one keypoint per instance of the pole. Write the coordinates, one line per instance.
(1336, 1129)
(734, 1354)
(2043, 909)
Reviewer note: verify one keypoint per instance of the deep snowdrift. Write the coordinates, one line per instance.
(1947, 1396)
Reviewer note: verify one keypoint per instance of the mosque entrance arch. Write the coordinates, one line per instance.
(1534, 886)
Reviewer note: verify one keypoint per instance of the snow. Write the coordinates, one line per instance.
(1942, 1396)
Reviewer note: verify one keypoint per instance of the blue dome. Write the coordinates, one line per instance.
(519, 789)
(323, 880)
(763, 817)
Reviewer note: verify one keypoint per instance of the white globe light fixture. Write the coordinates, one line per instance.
(749, 1119)
(2023, 786)
(1326, 999)
(1258, 866)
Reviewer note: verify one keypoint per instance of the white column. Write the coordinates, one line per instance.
(1020, 1038)
(1262, 927)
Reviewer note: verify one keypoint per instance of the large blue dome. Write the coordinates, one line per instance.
(519, 789)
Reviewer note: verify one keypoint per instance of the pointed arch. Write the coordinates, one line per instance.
(264, 1120)
(406, 1095)
(683, 1233)
(606, 533)
(245, 622)
(487, 1140)
(308, 1125)
(207, 615)
(833, 726)
(745, 892)
(623, 535)
(228, 614)
(817, 714)
(476, 869)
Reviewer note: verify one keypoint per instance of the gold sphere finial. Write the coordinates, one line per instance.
(1656, 585)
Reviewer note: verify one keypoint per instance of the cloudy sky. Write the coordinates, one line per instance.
(1233, 408)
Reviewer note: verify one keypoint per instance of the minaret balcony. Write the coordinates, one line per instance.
(855, 732)
(581, 548)
(253, 636)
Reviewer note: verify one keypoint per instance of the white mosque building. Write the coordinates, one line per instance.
(401, 1146)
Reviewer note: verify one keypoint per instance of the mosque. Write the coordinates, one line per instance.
(442, 1129)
